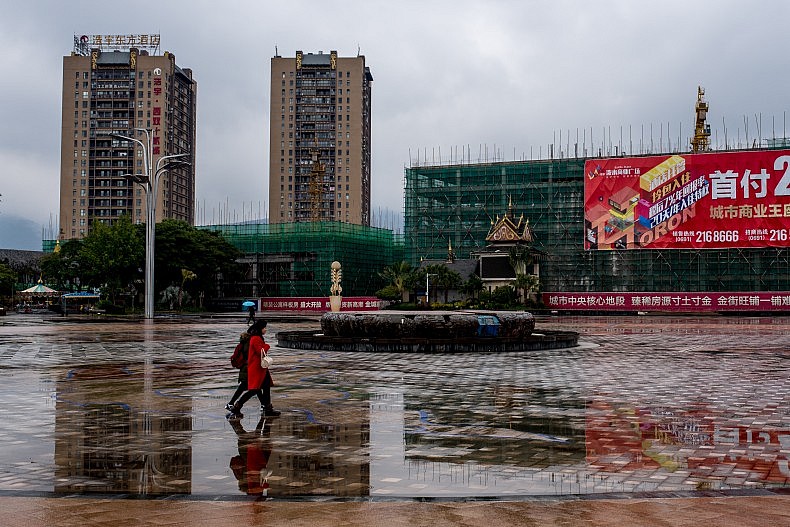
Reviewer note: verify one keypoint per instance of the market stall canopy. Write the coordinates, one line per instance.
(81, 294)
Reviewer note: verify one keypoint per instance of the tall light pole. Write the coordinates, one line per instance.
(150, 183)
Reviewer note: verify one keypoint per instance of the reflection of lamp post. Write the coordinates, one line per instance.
(427, 301)
(150, 183)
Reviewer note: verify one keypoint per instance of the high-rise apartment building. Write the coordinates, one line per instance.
(319, 151)
(120, 85)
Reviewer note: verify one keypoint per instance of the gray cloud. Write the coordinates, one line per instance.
(447, 74)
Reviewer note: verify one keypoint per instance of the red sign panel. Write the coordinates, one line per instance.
(690, 201)
(319, 303)
(675, 302)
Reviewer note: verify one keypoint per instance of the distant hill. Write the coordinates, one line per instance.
(19, 233)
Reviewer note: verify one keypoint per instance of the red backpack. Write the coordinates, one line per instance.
(239, 357)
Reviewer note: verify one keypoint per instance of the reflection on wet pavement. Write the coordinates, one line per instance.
(645, 404)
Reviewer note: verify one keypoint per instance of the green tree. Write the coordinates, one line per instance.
(62, 268)
(205, 253)
(504, 296)
(449, 280)
(472, 287)
(526, 284)
(186, 275)
(7, 280)
(389, 292)
(400, 276)
(442, 278)
(170, 296)
(520, 257)
(112, 257)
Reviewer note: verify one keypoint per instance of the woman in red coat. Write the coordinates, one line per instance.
(259, 380)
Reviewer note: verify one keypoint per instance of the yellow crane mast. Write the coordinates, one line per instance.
(701, 140)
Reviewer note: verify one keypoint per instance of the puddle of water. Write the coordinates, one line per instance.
(143, 415)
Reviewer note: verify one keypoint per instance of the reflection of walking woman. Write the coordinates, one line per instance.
(259, 380)
(249, 466)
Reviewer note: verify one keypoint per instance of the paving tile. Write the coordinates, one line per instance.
(646, 404)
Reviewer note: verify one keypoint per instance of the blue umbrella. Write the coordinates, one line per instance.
(247, 303)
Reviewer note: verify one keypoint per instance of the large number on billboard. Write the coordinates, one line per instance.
(689, 201)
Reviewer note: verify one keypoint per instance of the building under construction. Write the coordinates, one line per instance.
(698, 221)
(294, 259)
(455, 205)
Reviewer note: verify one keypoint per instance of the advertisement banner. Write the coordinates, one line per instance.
(672, 302)
(319, 304)
(689, 201)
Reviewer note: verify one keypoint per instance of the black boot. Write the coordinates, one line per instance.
(235, 412)
(269, 411)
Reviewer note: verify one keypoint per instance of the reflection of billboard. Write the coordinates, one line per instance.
(697, 439)
(694, 201)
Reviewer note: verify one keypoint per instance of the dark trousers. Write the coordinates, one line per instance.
(264, 394)
(243, 388)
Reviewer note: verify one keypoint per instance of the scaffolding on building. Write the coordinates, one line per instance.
(294, 259)
(455, 204)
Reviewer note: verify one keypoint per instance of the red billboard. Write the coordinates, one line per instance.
(670, 301)
(689, 201)
(319, 304)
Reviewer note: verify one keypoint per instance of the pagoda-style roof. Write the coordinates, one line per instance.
(509, 230)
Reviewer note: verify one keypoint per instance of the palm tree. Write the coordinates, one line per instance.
(186, 275)
(400, 275)
(448, 280)
(526, 284)
(445, 278)
(472, 287)
(520, 257)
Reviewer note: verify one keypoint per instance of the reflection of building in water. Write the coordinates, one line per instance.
(387, 448)
(108, 442)
(511, 434)
(320, 455)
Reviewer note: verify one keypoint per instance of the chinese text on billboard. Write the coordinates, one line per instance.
(692, 201)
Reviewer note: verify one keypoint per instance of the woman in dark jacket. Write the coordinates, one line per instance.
(259, 379)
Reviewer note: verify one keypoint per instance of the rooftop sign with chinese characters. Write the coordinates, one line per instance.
(83, 44)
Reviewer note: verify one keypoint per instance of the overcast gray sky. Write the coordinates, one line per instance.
(451, 75)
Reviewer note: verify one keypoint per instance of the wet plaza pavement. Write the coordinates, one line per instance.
(646, 406)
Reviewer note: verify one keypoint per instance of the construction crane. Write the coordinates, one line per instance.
(701, 140)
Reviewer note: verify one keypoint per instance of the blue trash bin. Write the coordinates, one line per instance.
(487, 326)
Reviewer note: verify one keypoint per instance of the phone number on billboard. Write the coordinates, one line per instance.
(774, 235)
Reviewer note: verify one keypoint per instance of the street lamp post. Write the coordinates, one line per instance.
(150, 183)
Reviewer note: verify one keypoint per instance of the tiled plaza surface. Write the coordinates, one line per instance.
(651, 408)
